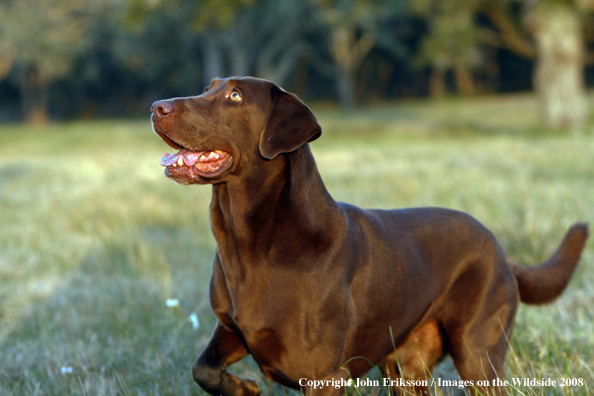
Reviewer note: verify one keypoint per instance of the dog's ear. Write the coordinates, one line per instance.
(290, 125)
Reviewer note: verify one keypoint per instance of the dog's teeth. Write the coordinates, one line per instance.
(180, 161)
(210, 155)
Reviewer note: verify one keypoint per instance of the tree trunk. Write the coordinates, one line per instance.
(239, 55)
(345, 84)
(342, 42)
(212, 53)
(35, 98)
(464, 80)
(6, 61)
(559, 75)
(38, 113)
(348, 53)
(276, 61)
(437, 85)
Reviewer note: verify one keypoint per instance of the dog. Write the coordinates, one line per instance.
(319, 291)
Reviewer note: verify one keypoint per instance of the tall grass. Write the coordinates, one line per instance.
(94, 240)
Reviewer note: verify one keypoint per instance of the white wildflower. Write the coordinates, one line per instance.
(172, 302)
(193, 318)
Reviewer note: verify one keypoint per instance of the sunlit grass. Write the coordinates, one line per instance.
(94, 240)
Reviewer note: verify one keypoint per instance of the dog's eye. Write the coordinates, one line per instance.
(235, 96)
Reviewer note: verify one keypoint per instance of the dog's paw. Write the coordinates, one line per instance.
(250, 387)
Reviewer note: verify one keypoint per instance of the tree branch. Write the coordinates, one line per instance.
(509, 33)
(363, 46)
(319, 63)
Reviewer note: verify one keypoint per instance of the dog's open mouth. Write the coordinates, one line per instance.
(201, 163)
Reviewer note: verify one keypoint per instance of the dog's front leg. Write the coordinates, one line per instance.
(209, 371)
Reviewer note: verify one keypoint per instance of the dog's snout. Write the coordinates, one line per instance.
(161, 108)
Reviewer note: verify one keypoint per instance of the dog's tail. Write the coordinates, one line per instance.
(545, 282)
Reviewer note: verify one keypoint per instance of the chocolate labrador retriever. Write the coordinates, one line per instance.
(318, 291)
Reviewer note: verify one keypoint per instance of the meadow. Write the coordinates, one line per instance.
(96, 246)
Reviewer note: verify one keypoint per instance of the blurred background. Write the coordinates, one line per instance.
(64, 59)
(476, 105)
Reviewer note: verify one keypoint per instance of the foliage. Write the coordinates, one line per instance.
(42, 39)
(51, 38)
(202, 14)
(112, 57)
(454, 37)
(354, 29)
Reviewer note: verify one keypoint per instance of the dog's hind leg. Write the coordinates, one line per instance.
(478, 348)
(415, 359)
(209, 371)
(479, 369)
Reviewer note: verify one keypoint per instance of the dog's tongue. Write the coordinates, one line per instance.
(190, 157)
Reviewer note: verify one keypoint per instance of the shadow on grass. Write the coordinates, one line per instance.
(107, 321)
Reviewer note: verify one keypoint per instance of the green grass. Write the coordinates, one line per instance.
(93, 239)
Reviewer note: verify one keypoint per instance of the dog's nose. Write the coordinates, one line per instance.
(161, 108)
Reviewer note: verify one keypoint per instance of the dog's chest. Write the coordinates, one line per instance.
(264, 304)
(257, 305)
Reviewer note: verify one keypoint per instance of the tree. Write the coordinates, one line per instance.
(549, 31)
(558, 31)
(231, 37)
(552, 33)
(275, 47)
(205, 24)
(352, 27)
(39, 42)
(268, 51)
(452, 43)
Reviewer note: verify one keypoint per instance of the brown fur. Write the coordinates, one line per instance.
(305, 283)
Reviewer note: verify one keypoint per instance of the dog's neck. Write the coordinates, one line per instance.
(283, 205)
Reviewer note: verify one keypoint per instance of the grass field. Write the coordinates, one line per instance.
(94, 240)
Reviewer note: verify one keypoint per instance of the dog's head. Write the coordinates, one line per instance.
(235, 122)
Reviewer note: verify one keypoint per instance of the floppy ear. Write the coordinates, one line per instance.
(290, 125)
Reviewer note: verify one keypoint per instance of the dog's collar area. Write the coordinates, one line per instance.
(206, 162)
